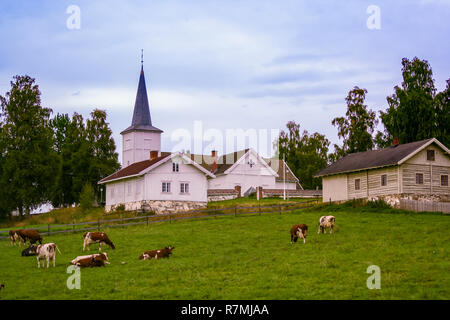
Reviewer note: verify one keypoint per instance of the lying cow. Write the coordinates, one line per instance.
(31, 235)
(30, 251)
(46, 251)
(326, 222)
(103, 255)
(157, 254)
(299, 231)
(96, 237)
(93, 260)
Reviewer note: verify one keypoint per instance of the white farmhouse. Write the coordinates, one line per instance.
(173, 182)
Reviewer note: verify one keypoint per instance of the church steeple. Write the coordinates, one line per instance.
(141, 138)
(142, 120)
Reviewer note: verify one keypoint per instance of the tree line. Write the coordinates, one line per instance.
(415, 112)
(49, 159)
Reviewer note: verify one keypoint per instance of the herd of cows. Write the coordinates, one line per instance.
(47, 251)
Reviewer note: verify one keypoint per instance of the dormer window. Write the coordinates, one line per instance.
(430, 155)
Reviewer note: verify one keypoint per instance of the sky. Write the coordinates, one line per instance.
(220, 65)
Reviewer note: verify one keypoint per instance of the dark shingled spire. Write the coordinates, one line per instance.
(141, 115)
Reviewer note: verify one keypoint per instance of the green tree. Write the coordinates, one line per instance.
(357, 127)
(305, 154)
(87, 197)
(30, 162)
(104, 158)
(442, 103)
(414, 113)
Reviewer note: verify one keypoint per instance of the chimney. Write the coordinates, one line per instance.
(395, 142)
(214, 161)
(153, 154)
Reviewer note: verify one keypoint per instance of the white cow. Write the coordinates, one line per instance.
(326, 222)
(46, 251)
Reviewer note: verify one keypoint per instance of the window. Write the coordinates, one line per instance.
(384, 180)
(184, 187)
(166, 187)
(175, 167)
(419, 178)
(357, 184)
(430, 155)
(444, 180)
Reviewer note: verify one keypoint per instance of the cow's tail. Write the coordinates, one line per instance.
(58, 249)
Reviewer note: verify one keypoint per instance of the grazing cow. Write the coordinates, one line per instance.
(29, 235)
(299, 231)
(326, 222)
(93, 260)
(96, 237)
(157, 254)
(13, 236)
(30, 251)
(102, 256)
(46, 251)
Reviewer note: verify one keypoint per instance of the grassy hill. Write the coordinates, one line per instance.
(250, 257)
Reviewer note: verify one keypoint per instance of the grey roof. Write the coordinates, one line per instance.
(372, 159)
(142, 120)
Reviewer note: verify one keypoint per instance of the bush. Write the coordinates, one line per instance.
(87, 197)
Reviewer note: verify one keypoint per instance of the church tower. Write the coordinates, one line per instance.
(141, 137)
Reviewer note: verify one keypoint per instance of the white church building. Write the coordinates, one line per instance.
(165, 182)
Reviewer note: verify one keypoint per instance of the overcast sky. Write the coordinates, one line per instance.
(230, 64)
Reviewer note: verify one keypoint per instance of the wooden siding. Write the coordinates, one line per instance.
(438, 171)
(375, 187)
(362, 192)
(409, 178)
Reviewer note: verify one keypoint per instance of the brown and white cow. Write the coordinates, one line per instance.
(46, 251)
(93, 260)
(299, 231)
(96, 237)
(326, 222)
(13, 236)
(31, 235)
(157, 254)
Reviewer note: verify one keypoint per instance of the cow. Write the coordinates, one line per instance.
(46, 251)
(93, 260)
(96, 237)
(102, 256)
(326, 222)
(157, 254)
(298, 231)
(30, 251)
(29, 235)
(13, 236)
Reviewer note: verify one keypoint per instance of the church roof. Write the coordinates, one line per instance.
(142, 120)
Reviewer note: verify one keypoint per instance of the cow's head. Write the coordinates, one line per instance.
(105, 256)
(170, 248)
(144, 256)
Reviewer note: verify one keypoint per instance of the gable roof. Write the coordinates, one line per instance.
(134, 169)
(371, 159)
(142, 167)
(290, 176)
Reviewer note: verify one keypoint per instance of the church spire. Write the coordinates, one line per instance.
(141, 115)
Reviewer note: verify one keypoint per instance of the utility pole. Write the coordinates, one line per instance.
(284, 178)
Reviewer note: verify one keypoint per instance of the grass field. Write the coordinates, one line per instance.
(250, 257)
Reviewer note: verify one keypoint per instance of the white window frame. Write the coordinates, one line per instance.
(165, 187)
(183, 189)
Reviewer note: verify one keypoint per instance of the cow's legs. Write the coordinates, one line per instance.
(39, 263)
(99, 246)
(54, 262)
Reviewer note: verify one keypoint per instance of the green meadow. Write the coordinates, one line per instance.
(251, 257)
